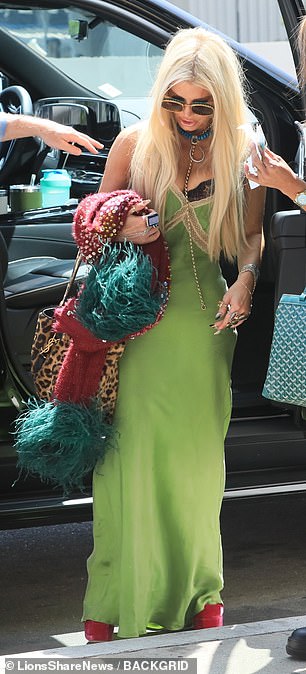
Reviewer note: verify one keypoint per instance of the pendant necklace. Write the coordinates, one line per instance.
(194, 138)
(193, 141)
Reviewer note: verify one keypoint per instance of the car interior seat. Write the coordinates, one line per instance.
(29, 284)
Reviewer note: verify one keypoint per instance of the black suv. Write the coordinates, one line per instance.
(91, 64)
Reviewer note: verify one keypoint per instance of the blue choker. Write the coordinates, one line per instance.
(200, 136)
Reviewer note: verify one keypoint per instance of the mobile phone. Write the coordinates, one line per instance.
(260, 144)
(152, 219)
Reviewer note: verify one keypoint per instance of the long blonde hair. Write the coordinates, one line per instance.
(203, 58)
(301, 44)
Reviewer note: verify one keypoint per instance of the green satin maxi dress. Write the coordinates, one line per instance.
(157, 557)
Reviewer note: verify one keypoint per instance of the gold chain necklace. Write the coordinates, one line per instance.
(194, 141)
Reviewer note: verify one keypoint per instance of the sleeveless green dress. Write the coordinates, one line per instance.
(157, 557)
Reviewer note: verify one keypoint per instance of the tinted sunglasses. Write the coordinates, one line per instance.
(175, 105)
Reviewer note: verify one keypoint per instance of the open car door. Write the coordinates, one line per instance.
(288, 228)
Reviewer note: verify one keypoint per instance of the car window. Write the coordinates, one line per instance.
(257, 24)
(111, 62)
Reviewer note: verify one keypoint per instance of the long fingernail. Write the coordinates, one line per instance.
(217, 332)
(217, 316)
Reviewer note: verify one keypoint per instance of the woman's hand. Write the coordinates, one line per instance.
(135, 228)
(234, 308)
(273, 171)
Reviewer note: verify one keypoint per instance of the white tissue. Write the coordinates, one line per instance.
(258, 138)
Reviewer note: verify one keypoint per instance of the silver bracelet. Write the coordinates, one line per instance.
(252, 268)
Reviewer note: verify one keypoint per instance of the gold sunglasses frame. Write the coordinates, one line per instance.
(182, 105)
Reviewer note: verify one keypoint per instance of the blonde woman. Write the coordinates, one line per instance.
(157, 556)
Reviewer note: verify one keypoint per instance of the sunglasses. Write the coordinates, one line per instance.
(174, 105)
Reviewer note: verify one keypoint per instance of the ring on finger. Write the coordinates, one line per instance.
(233, 320)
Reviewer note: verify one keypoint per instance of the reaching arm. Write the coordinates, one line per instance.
(53, 134)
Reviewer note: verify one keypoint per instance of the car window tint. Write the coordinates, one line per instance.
(111, 62)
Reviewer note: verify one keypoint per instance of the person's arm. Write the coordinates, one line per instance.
(53, 134)
(117, 177)
(117, 168)
(3, 125)
(237, 301)
(273, 171)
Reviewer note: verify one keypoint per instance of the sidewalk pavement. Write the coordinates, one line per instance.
(235, 649)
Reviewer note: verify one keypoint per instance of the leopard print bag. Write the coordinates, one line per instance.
(48, 352)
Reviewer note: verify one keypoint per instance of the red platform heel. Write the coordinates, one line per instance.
(96, 631)
(211, 616)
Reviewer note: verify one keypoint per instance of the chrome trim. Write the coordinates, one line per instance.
(78, 501)
(265, 491)
(248, 492)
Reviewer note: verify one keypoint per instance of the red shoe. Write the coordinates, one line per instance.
(95, 631)
(211, 616)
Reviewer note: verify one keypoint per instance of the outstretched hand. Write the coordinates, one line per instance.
(63, 138)
(52, 133)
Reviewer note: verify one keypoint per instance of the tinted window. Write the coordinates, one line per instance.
(110, 61)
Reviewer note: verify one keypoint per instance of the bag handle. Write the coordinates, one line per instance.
(71, 281)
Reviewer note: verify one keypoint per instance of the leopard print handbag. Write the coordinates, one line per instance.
(48, 347)
(48, 352)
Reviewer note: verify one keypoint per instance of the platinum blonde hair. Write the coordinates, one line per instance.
(301, 43)
(203, 58)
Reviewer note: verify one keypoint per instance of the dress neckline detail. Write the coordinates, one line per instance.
(205, 186)
(199, 215)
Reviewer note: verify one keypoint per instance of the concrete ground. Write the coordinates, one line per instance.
(236, 649)
(43, 574)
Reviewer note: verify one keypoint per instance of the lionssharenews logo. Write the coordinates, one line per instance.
(188, 666)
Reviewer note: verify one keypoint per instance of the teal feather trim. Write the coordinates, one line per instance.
(62, 442)
(117, 299)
